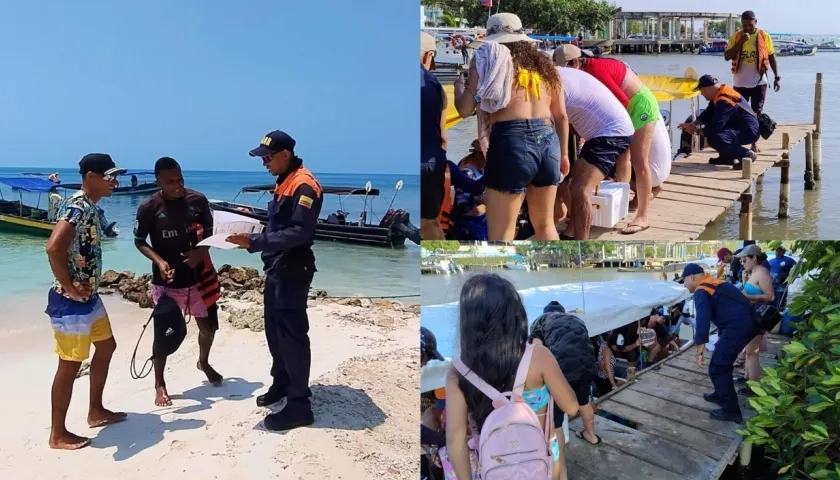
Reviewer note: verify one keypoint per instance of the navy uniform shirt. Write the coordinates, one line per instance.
(718, 308)
(286, 243)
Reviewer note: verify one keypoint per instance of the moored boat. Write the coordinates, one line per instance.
(134, 186)
(392, 231)
(16, 216)
(718, 47)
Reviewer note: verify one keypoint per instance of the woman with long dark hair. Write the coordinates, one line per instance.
(758, 287)
(527, 128)
(493, 330)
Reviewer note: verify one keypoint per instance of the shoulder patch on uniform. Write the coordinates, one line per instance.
(305, 201)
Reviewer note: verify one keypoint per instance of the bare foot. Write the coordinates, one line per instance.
(105, 417)
(214, 377)
(68, 441)
(162, 397)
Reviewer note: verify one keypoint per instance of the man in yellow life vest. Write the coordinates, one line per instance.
(752, 55)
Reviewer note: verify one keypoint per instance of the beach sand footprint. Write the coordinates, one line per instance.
(139, 432)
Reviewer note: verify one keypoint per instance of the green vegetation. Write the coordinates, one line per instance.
(486, 261)
(544, 16)
(798, 401)
(442, 246)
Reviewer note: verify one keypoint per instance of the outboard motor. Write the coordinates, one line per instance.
(686, 139)
(400, 225)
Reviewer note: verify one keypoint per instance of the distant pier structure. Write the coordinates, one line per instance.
(662, 31)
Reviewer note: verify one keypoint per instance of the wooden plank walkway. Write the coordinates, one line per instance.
(696, 193)
(674, 438)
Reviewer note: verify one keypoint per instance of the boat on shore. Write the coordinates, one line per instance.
(133, 188)
(392, 231)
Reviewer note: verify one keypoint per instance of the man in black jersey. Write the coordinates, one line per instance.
(176, 218)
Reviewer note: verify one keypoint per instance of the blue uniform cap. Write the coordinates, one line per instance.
(691, 269)
(274, 142)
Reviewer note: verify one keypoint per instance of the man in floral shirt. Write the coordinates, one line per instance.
(76, 311)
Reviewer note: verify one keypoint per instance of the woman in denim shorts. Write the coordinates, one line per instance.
(527, 156)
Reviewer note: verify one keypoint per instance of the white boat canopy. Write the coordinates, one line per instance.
(603, 306)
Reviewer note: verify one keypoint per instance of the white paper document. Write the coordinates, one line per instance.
(226, 224)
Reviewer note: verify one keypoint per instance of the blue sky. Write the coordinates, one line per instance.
(803, 16)
(202, 81)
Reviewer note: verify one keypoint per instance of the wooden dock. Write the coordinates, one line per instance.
(674, 437)
(696, 193)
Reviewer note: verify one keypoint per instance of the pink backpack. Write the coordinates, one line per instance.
(512, 443)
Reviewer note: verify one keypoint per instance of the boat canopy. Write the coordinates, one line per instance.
(29, 184)
(667, 89)
(324, 189)
(605, 306)
(138, 172)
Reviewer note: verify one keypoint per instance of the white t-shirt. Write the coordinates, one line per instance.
(592, 109)
(660, 154)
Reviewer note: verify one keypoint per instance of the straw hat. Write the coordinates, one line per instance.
(504, 28)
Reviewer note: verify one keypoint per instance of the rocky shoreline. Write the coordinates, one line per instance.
(242, 297)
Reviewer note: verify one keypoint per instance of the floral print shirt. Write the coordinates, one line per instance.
(85, 255)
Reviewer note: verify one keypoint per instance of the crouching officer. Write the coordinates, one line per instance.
(720, 302)
(289, 264)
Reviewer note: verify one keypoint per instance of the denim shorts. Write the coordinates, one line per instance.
(603, 152)
(522, 153)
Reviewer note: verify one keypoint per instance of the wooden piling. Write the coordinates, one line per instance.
(809, 162)
(745, 218)
(784, 186)
(818, 90)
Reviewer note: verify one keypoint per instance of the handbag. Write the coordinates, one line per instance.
(766, 125)
(765, 314)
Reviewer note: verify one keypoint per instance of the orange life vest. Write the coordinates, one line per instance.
(446, 209)
(728, 95)
(711, 281)
(763, 60)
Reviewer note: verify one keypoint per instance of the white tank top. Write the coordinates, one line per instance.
(592, 109)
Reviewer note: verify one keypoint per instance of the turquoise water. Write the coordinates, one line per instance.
(343, 269)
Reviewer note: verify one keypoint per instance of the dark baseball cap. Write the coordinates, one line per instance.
(660, 310)
(274, 142)
(100, 163)
(428, 344)
(691, 269)
(748, 15)
(705, 81)
(554, 306)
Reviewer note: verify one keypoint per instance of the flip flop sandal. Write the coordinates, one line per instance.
(580, 436)
(639, 227)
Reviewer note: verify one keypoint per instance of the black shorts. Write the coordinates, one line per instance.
(755, 95)
(432, 178)
(582, 389)
(631, 356)
(603, 152)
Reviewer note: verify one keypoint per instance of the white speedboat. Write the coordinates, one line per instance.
(451, 41)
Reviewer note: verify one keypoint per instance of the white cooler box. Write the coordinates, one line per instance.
(610, 204)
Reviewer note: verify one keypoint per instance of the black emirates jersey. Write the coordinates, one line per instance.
(173, 226)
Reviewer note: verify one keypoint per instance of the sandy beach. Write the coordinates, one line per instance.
(365, 372)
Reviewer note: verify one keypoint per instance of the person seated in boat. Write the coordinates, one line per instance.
(566, 336)
(643, 110)
(134, 180)
(521, 110)
(660, 322)
(468, 213)
(728, 123)
(609, 374)
(625, 342)
(602, 121)
(432, 435)
(54, 178)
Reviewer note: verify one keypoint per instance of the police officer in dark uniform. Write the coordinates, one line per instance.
(289, 265)
(720, 302)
